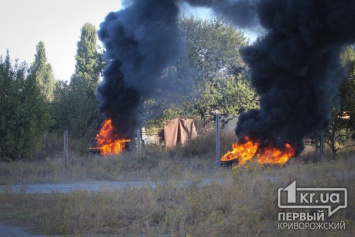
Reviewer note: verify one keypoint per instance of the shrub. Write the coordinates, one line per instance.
(25, 115)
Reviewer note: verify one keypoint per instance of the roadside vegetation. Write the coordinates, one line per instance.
(236, 202)
(152, 163)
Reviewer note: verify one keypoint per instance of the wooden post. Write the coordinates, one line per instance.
(321, 146)
(218, 137)
(66, 152)
(317, 147)
(139, 140)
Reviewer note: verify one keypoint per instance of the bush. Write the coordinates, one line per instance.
(25, 115)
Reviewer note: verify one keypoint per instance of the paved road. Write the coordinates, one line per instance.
(94, 186)
(10, 231)
(69, 187)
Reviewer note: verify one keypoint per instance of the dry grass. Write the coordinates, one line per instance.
(197, 156)
(245, 204)
(240, 202)
(125, 167)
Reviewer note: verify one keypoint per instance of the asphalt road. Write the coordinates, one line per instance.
(11, 231)
(69, 187)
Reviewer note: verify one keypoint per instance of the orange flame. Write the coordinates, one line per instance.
(108, 144)
(271, 155)
(249, 149)
(242, 152)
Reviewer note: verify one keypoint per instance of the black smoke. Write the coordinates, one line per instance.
(295, 68)
(140, 41)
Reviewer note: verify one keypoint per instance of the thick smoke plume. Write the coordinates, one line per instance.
(141, 41)
(295, 68)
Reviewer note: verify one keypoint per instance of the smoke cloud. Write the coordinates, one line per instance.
(294, 66)
(140, 41)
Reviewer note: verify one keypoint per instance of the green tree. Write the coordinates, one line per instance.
(342, 128)
(25, 114)
(43, 72)
(88, 65)
(211, 75)
(214, 69)
(75, 104)
(76, 112)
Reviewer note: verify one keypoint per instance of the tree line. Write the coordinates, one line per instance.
(33, 103)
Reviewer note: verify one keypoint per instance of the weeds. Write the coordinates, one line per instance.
(246, 205)
(191, 195)
(153, 162)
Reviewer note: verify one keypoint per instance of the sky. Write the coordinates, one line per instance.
(24, 23)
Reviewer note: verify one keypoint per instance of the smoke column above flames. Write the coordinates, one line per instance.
(140, 42)
(294, 66)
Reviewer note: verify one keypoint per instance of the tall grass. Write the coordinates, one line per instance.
(195, 156)
(243, 204)
(125, 167)
(215, 201)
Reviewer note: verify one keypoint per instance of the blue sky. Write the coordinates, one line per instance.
(24, 23)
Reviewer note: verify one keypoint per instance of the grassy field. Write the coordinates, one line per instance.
(236, 202)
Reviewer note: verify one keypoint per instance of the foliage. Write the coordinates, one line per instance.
(88, 64)
(216, 67)
(227, 95)
(42, 71)
(75, 111)
(25, 115)
(342, 127)
(75, 104)
(210, 76)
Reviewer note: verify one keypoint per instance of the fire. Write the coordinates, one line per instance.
(268, 155)
(271, 155)
(242, 152)
(107, 143)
